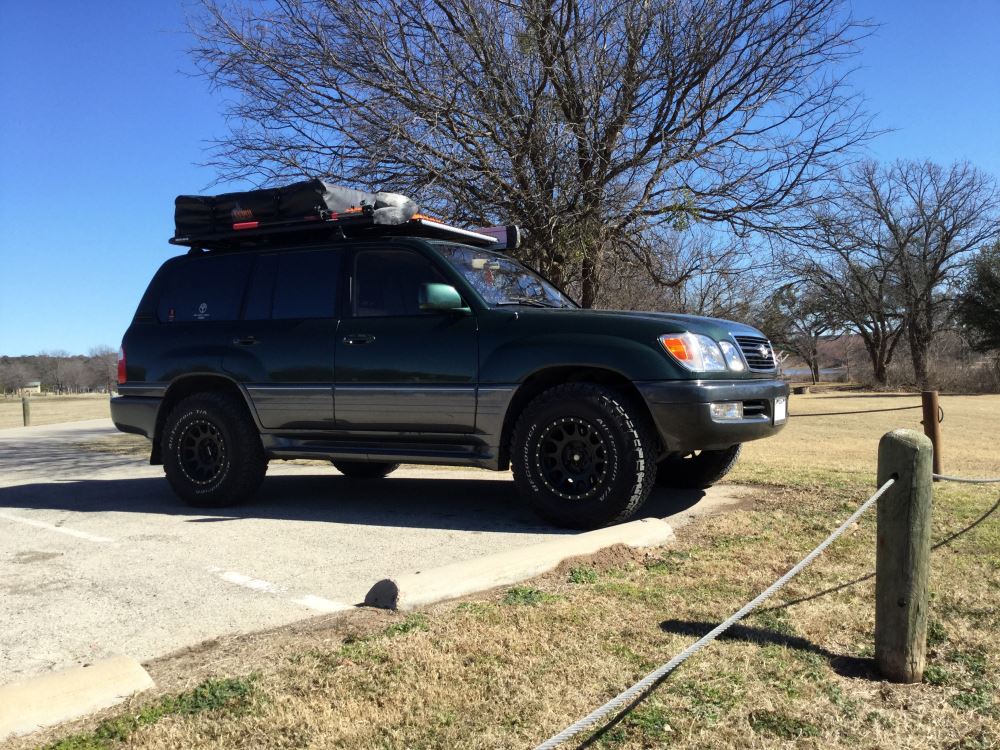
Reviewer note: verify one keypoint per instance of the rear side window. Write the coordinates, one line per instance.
(204, 289)
(294, 285)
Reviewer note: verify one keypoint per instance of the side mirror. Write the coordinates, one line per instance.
(441, 297)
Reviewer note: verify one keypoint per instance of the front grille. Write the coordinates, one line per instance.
(757, 352)
(755, 408)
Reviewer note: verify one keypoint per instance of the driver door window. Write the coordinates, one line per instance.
(387, 283)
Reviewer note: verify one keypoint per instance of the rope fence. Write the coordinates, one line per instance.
(860, 411)
(657, 675)
(906, 519)
(965, 480)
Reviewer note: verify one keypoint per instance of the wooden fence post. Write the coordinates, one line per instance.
(26, 410)
(932, 424)
(903, 555)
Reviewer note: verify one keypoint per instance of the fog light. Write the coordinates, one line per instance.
(727, 410)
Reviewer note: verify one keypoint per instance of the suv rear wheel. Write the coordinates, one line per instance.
(212, 454)
(583, 456)
(364, 469)
(697, 470)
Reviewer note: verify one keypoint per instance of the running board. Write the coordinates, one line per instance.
(442, 454)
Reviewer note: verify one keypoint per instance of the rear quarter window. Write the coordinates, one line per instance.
(295, 285)
(204, 289)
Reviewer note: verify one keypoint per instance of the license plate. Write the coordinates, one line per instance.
(780, 409)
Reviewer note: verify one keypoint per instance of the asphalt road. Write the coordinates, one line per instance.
(98, 557)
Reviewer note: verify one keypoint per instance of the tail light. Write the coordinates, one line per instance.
(121, 365)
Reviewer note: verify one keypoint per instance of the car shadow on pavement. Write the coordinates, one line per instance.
(441, 503)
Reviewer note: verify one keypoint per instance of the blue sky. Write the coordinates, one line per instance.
(101, 125)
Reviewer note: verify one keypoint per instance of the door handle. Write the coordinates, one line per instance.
(359, 338)
(245, 340)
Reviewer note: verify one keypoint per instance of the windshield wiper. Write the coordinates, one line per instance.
(529, 301)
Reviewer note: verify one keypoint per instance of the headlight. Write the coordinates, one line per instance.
(695, 352)
(733, 358)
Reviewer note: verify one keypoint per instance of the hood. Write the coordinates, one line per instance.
(717, 328)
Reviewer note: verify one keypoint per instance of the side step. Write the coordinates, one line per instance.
(456, 454)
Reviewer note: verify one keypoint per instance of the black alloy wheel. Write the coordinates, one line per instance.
(571, 458)
(201, 451)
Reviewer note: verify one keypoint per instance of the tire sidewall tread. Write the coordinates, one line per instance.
(628, 435)
(246, 463)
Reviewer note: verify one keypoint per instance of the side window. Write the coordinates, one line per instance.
(205, 289)
(294, 285)
(387, 282)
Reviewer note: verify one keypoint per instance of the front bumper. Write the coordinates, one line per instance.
(135, 414)
(681, 410)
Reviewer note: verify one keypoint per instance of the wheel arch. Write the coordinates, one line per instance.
(549, 377)
(188, 385)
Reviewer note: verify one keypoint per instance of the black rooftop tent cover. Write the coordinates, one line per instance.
(206, 214)
(251, 217)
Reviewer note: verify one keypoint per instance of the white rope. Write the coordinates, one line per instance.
(658, 674)
(944, 478)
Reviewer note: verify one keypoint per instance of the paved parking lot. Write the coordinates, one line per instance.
(98, 557)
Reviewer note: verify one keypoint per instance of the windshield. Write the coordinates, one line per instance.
(501, 280)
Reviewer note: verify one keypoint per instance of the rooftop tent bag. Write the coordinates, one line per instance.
(209, 214)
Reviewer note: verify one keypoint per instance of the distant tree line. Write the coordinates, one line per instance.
(61, 372)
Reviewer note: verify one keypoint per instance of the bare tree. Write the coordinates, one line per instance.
(693, 272)
(102, 362)
(13, 376)
(796, 318)
(886, 245)
(587, 121)
(858, 283)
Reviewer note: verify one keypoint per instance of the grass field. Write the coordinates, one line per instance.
(509, 668)
(53, 409)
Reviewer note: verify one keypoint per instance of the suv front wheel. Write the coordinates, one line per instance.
(583, 456)
(212, 454)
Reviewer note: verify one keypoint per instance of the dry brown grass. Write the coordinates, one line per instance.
(835, 449)
(507, 669)
(54, 409)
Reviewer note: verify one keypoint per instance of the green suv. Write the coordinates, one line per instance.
(373, 343)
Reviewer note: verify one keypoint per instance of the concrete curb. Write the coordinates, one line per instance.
(61, 696)
(412, 590)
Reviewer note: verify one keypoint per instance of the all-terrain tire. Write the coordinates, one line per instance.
(364, 469)
(212, 453)
(583, 455)
(697, 470)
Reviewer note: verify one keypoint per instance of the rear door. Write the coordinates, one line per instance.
(283, 349)
(399, 368)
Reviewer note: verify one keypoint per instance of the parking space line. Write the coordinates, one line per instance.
(60, 529)
(320, 604)
(309, 601)
(247, 582)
